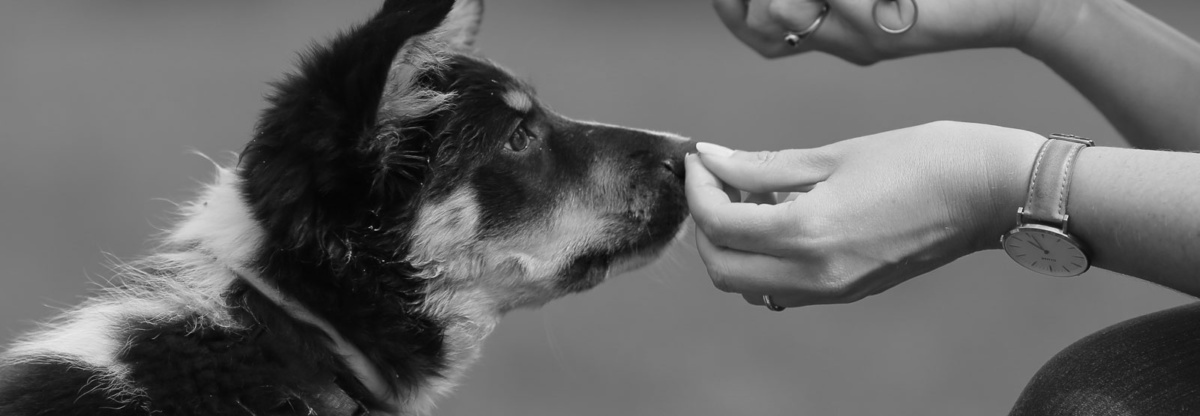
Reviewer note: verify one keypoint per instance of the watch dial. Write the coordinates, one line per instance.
(1046, 252)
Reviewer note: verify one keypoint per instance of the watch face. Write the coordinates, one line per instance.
(1046, 250)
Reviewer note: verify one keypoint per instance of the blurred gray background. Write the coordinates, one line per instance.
(101, 102)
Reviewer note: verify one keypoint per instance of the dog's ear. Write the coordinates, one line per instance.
(403, 97)
(312, 165)
(462, 24)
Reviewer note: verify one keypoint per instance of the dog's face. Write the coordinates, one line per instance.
(398, 144)
(530, 204)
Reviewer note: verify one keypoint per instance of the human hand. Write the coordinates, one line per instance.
(872, 212)
(850, 32)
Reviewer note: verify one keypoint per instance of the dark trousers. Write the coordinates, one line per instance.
(1146, 366)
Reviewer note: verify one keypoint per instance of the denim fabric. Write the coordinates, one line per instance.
(1146, 366)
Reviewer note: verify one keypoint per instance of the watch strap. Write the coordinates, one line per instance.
(1050, 181)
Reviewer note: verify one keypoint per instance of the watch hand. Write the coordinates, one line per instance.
(1034, 241)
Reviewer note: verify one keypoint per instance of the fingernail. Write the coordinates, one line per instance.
(714, 149)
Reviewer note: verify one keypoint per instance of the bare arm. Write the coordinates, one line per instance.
(882, 209)
(1143, 75)
(1140, 212)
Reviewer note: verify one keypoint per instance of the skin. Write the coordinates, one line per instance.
(875, 211)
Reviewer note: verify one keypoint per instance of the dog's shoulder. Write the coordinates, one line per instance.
(185, 367)
(262, 363)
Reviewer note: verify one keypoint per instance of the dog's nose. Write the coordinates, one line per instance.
(674, 161)
(675, 166)
(689, 146)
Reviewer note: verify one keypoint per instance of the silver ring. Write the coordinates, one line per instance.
(875, 17)
(771, 304)
(793, 38)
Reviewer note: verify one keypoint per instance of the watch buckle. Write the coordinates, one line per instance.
(1072, 138)
(1021, 220)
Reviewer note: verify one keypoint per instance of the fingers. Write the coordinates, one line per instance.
(794, 170)
(760, 20)
(848, 30)
(782, 16)
(789, 283)
(744, 272)
(762, 27)
(806, 290)
(756, 227)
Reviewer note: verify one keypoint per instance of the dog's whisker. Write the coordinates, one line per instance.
(555, 351)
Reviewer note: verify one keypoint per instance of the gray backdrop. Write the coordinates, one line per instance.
(102, 100)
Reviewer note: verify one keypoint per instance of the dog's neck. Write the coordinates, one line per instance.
(220, 224)
(465, 327)
(367, 372)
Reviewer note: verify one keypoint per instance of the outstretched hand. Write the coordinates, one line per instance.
(871, 212)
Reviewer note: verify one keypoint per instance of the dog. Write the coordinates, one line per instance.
(399, 195)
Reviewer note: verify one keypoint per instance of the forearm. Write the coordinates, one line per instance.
(1140, 73)
(1139, 211)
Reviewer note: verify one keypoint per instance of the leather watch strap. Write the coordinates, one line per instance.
(1051, 179)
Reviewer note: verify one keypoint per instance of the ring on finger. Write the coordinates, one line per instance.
(899, 31)
(771, 304)
(793, 38)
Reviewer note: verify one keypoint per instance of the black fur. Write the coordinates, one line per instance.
(189, 368)
(336, 233)
(57, 388)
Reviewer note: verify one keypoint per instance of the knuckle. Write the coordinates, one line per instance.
(850, 290)
(943, 124)
(765, 158)
(811, 233)
(838, 290)
(778, 11)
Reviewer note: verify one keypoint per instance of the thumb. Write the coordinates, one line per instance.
(793, 170)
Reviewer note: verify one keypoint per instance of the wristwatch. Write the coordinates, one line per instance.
(1041, 242)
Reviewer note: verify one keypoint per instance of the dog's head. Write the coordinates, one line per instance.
(397, 149)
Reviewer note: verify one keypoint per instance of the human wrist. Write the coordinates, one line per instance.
(1013, 153)
(1057, 28)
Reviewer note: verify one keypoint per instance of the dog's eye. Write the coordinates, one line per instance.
(519, 140)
